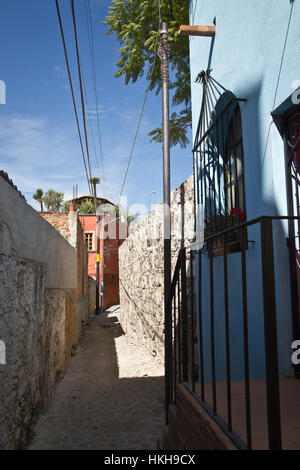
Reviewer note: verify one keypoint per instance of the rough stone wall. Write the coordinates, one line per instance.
(70, 227)
(38, 325)
(82, 262)
(38, 313)
(24, 384)
(83, 311)
(141, 269)
(91, 296)
(70, 322)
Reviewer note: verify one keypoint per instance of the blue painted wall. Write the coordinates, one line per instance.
(255, 56)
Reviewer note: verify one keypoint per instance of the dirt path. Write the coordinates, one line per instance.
(111, 396)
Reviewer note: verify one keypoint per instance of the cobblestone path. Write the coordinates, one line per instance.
(111, 396)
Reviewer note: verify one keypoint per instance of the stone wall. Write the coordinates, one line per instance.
(141, 269)
(24, 377)
(91, 296)
(69, 226)
(38, 313)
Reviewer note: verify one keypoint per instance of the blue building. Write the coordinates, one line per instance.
(235, 336)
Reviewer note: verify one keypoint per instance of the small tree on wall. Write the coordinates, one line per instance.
(94, 181)
(66, 206)
(38, 196)
(53, 200)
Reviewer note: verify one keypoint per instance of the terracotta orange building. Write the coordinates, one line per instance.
(111, 233)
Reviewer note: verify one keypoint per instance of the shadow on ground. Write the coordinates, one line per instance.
(111, 396)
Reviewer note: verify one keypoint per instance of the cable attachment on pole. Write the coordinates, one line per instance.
(163, 52)
(159, 14)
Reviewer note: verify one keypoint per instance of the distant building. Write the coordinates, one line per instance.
(69, 226)
(111, 235)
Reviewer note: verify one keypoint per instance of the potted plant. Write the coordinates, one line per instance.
(221, 222)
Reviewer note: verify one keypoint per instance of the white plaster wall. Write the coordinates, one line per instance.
(38, 280)
(141, 269)
(26, 234)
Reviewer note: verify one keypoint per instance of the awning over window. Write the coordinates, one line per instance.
(287, 107)
(217, 108)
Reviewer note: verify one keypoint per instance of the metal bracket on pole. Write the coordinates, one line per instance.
(206, 31)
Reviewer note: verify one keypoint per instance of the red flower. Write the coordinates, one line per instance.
(242, 215)
(234, 211)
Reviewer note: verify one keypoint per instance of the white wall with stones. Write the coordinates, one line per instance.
(38, 281)
(141, 269)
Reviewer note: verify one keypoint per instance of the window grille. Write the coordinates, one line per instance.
(218, 159)
(89, 240)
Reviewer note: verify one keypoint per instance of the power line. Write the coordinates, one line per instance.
(89, 37)
(139, 123)
(89, 120)
(194, 6)
(81, 88)
(72, 90)
(144, 103)
(93, 62)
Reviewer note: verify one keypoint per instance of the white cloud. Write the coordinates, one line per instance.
(60, 72)
(91, 113)
(39, 153)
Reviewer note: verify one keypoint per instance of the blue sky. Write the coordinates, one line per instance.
(39, 145)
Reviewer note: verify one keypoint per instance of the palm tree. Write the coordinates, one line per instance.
(94, 181)
(128, 218)
(38, 196)
(131, 218)
(86, 207)
(53, 200)
(66, 206)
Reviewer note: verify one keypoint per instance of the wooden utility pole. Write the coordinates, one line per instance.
(164, 56)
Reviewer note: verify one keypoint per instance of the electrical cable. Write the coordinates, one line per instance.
(139, 124)
(93, 61)
(144, 103)
(81, 89)
(72, 90)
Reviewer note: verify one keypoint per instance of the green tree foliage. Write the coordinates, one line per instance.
(66, 206)
(38, 196)
(94, 181)
(131, 218)
(86, 207)
(135, 24)
(126, 217)
(53, 200)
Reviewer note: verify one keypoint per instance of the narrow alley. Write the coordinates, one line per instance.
(111, 395)
(149, 228)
